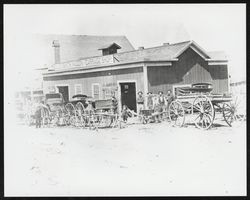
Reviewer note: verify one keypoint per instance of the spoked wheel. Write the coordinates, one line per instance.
(80, 119)
(233, 111)
(203, 112)
(45, 116)
(176, 114)
(228, 112)
(70, 114)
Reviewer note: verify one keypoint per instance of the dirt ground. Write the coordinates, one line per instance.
(151, 159)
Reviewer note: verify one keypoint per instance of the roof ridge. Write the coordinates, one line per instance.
(156, 47)
(182, 42)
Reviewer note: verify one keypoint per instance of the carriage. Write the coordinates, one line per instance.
(105, 114)
(53, 110)
(200, 105)
(84, 111)
(77, 110)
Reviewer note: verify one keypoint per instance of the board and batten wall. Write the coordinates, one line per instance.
(190, 68)
(104, 78)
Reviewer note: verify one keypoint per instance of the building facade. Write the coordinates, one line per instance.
(125, 74)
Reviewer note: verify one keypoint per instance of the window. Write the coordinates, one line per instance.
(78, 89)
(96, 91)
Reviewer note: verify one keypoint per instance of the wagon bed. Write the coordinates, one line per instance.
(199, 101)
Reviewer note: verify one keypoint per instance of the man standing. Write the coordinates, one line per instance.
(140, 102)
(114, 102)
(150, 100)
(160, 106)
(38, 115)
(170, 97)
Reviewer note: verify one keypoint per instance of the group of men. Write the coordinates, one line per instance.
(158, 103)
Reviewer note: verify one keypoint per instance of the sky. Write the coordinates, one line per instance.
(213, 26)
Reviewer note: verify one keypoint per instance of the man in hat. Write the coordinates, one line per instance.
(114, 102)
(160, 105)
(150, 101)
(170, 97)
(38, 113)
(140, 102)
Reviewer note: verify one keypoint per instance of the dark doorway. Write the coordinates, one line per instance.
(64, 90)
(128, 95)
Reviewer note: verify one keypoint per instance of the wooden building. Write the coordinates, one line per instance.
(146, 69)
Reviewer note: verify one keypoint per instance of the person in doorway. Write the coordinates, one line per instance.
(140, 102)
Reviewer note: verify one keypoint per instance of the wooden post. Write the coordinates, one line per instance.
(145, 83)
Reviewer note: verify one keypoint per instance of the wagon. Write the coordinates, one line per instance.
(53, 111)
(105, 114)
(84, 111)
(201, 104)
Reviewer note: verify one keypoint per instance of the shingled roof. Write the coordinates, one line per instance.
(166, 52)
(73, 47)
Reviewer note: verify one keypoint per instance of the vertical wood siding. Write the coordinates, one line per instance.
(103, 78)
(189, 69)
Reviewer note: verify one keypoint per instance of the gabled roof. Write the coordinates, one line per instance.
(165, 52)
(73, 47)
(109, 46)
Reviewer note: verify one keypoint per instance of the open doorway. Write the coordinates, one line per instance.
(128, 95)
(64, 90)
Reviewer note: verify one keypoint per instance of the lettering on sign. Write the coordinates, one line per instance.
(98, 60)
(109, 85)
(102, 60)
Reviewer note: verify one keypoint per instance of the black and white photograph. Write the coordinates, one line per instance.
(124, 100)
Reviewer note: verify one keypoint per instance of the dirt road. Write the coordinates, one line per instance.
(152, 159)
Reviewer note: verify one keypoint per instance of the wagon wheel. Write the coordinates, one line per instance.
(45, 116)
(232, 111)
(203, 112)
(176, 113)
(70, 114)
(80, 119)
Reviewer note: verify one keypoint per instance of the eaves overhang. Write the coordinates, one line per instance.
(115, 66)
